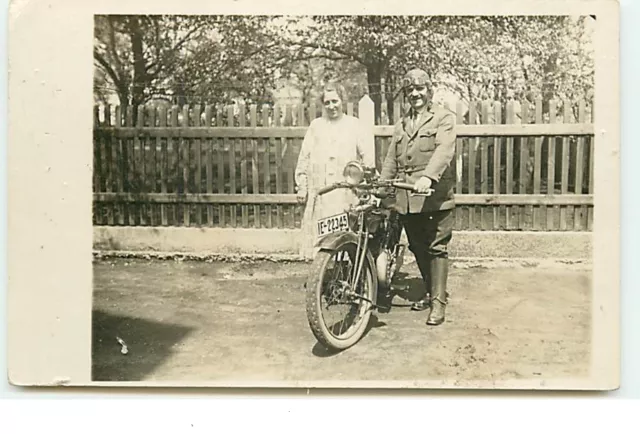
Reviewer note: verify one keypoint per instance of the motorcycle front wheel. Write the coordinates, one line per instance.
(339, 312)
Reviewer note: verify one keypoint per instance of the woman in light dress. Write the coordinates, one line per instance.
(329, 144)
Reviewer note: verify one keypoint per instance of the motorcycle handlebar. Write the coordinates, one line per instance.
(327, 188)
(401, 185)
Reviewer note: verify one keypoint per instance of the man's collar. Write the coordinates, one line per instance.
(417, 114)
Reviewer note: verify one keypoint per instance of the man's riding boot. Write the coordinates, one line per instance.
(424, 264)
(439, 272)
(385, 296)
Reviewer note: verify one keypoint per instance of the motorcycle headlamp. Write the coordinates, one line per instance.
(354, 173)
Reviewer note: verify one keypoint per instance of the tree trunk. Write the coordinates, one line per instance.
(140, 79)
(123, 95)
(374, 81)
(390, 92)
(548, 86)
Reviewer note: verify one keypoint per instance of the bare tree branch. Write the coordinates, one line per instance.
(112, 47)
(316, 56)
(158, 63)
(337, 50)
(106, 67)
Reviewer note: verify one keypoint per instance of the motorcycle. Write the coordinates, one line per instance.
(359, 255)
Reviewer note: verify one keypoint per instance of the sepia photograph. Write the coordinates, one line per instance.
(342, 197)
(339, 197)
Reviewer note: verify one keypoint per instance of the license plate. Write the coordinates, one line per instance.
(336, 223)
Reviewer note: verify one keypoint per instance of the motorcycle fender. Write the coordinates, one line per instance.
(331, 242)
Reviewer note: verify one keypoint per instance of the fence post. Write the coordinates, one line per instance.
(367, 118)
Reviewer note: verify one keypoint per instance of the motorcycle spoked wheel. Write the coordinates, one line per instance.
(324, 285)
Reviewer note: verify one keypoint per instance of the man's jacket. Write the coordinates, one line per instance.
(426, 150)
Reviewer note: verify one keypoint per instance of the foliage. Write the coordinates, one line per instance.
(138, 52)
(180, 57)
(222, 58)
(233, 61)
(477, 57)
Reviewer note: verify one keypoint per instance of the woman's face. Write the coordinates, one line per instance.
(332, 104)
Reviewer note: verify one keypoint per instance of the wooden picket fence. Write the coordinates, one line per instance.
(204, 166)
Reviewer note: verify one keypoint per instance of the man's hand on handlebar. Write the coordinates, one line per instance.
(423, 185)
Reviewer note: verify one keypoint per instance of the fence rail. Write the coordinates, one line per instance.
(274, 199)
(380, 130)
(233, 167)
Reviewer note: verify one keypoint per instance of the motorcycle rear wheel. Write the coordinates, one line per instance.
(323, 284)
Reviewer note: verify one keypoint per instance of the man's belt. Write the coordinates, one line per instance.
(412, 169)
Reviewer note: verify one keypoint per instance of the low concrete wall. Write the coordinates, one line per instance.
(218, 241)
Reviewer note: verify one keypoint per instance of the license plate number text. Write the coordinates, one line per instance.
(333, 224)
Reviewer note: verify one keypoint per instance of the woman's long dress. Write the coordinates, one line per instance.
(327, 147)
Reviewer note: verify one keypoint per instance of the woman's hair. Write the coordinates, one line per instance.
(333, 86)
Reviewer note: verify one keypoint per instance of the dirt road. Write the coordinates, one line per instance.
(196, 321)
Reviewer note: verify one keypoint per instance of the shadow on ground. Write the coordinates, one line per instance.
(250, 324)
(319, 350)
(407, 291)
(149, 345)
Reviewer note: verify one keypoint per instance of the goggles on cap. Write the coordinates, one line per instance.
(415, 77)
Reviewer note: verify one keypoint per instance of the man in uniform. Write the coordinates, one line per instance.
(422, 152)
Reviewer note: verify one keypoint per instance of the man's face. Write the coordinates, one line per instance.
(417, 95)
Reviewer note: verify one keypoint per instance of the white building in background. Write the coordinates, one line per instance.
(287, 94)
(448, 92)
